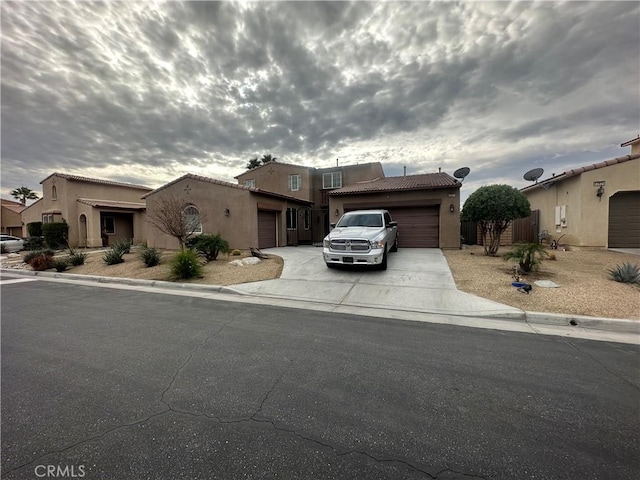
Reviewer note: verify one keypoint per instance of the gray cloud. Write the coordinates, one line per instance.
(147, 92)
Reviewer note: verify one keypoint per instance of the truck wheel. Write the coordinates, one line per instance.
(383, 264)
(330, 265)
(394, 248)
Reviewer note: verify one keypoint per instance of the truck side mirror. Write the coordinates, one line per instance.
(392, 223)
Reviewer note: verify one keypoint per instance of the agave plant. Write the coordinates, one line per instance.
(625, 273)
(528, 255)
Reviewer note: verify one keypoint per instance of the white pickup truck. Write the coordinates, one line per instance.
(361, 237)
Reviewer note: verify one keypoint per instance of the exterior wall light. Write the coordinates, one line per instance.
(600, 192)
(337, 212)
(226, 212)
(452, 208)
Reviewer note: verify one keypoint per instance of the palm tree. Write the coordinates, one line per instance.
(23, 194)
(253, 163)
(268, 158)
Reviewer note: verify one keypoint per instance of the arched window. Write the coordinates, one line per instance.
(54, 193)
(192, 219)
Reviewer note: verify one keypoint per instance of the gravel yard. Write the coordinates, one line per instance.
(585, 288)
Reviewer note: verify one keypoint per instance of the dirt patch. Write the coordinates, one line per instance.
(585, 288)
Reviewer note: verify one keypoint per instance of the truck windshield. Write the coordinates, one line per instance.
(361, 220)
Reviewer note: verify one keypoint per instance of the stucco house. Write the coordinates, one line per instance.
(596, 205)
(426, 206)
(244, 216)
(10, 218)
(309, 225)
(88, 205)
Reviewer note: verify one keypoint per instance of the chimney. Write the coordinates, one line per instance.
(336, 162)
(439, 170)
(405, 170)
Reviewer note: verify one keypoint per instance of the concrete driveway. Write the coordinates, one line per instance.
(416, 280)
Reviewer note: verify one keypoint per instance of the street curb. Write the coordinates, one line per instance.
(591, 323)
(540, 318)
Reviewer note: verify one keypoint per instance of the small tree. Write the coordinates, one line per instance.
(528, 255)
(268, 159)
(23, 194)
(167, 214)
(494, 207)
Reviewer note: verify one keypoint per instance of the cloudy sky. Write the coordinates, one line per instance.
(143, 92)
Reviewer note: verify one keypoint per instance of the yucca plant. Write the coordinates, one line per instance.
(528, 255)
(625, 273)
(123, 245)
(186, 264)
(60, 264)
(76, 258)
(149, 256)
(113, 256)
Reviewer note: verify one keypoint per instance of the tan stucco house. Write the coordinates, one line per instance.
(244, 216)
(306, 226)
(426, 207)
(89, 205)
(10, 218)
(595, 205)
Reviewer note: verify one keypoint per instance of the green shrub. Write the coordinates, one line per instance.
(186, 264)
(528, 255)
(123, 245)
(41, 262)
(76, 258)
(150, 256)
(113, 256)
(625, 273)
(34, 243)
(34, 229)
(61, 264)
(55, 234)
(236, 252)
(209, 245)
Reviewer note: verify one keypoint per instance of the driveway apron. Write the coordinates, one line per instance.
(417, 279)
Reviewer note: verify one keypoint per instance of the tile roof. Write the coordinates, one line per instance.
(317, 169)
(578, 170)
(112, 204)
(426, 181)
(226, 184)
(78, 178)
(631, 142)
(14, 208)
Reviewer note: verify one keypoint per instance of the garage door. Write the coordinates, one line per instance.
(418, 227)
(624, 220)
(266, 229)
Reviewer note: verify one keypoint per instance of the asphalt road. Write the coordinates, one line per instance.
(100, 383)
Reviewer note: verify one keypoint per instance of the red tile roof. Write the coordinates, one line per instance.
(578, 170)
(426, 181)
(78, 178)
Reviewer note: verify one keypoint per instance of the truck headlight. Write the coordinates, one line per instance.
(326, 243)
(376, 243)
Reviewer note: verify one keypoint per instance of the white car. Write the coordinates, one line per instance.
(361, 237)
(11, 244)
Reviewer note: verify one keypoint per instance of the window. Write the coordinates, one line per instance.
(192, 219)
(250, 183)
(294, 182)
(307, 219)
(292, 219)
(54, 193)
(47, 218)
(109, 223)
(332, 180)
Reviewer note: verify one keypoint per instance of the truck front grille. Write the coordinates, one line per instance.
(340, 245)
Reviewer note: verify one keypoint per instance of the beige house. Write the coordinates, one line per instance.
(596, 205)
(310, 225)
(426, 207)
(243, 216)
(10, 218)
(89, 205)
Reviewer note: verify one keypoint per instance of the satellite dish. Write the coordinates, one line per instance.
(533, 175)
(461, 173)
